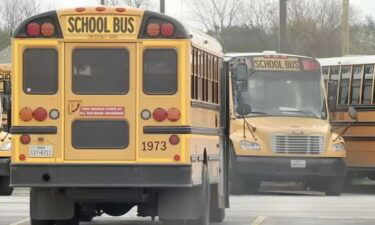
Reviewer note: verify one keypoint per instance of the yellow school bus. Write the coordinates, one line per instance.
(5, 138)
(279, 125)
(350, 82)
(114, 108)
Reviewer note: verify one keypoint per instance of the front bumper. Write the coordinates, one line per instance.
(94, 175)
(4, 166)
(279, 168)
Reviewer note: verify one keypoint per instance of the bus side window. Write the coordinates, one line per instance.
(332, 88)
(356, 85)
(344, 85)
(367, 84)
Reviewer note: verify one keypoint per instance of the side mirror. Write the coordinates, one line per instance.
(353, 113)
(241, 72)
(243, 109)
(7, 87)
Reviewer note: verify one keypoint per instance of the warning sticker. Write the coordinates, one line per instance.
(102, 111)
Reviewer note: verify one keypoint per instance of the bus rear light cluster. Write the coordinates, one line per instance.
(310, 65)
(25, 139)
(39, 114)
(172, 114)
(34, 29)
(155, 29)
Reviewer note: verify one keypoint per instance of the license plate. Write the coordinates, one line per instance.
(41, 151)
(297, 163)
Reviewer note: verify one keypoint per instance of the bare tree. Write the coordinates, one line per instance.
(215, 15)
(259, 13)
(14, 11)
(132, 3)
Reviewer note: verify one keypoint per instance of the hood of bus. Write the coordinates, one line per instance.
(267, 127)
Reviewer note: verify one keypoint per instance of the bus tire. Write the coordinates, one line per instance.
(205, 217)
(4, 186)
(334, 187)
(217, 214)
(41, 222)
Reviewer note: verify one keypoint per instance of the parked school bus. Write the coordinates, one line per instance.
(5, 138)
(114, 108)
(279, 125)
(350, 83)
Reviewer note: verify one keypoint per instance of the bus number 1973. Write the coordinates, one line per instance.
(154, 146)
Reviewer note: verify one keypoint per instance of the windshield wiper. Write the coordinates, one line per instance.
(295, 110)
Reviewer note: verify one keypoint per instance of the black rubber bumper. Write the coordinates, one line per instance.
(280, 167)
(4, 166)
(78, 175)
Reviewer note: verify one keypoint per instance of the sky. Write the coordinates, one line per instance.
(178, 8)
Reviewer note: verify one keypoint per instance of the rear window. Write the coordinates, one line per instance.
(100, 134)
(100, 71)
(40, 71)
(160, 71)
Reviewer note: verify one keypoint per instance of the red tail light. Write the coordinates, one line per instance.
(33, 29)
(25, 139)
(26, 114)
(48, 29)
(153, 29)
(173, 114)
(174, 140)
(167, 29)
(159, 114)
(40, 114)
(177, 157)
(22, 157)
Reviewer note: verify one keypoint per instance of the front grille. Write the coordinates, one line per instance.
(297, 144)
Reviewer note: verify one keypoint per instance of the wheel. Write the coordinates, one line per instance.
(41, 222)
(205, 218)
(4, 186)
(216, 214)
(334, 187)
(73, 221)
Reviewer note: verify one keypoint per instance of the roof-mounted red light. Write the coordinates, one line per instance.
(153, 29)
(120, 9)
(80, 9)
(167, 29)
(310, 65)
(100, 9)
(48, 29)
(33, 29)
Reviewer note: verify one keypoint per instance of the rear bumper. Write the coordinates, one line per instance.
(79, 175)
(4, 166)
(279, 168)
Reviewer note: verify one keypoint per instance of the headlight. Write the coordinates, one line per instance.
(340, 147)
(6, 146)
(249, 145)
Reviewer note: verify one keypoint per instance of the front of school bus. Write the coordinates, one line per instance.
(101, 119)
(5, 138)
(279, 125)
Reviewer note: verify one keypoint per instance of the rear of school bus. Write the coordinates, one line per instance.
(279, 125)
(5, 138)
(101, 119)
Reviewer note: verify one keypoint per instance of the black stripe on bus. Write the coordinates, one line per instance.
(33, 130)
(181, 130)
(354, 124)
(359, 138)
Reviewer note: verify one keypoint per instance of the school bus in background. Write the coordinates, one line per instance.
(279, 126)
(5, 138)
(350, 83)
(114, 108)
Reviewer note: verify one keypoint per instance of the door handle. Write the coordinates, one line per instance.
(73, 106)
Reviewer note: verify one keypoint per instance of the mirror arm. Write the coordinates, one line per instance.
(343, 131)
(249, 127)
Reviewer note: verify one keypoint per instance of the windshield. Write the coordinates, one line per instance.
(298, 94)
